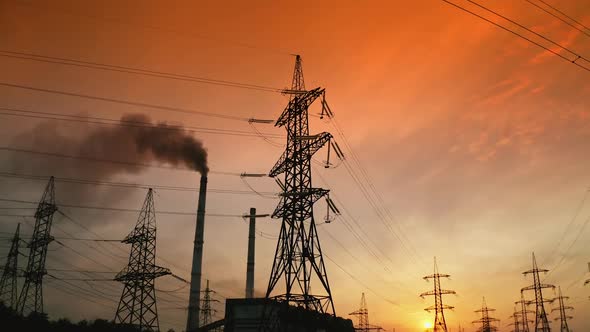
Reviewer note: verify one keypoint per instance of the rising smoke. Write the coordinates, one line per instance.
(134, 142)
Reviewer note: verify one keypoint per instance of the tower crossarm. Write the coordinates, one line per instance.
(303, 205)
(300, 102)
(536, 270)
(441, 291)
(126, 274)
(532, 287)
(309, 145)
(444, 306)
(436, 275)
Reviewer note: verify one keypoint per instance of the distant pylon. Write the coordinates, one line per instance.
(541, 322)
(206, 310)
(363, 318)
(587, 280)
(8, 283)
(563, 317)
(440, 325)
(137, 306)
(485, 320)
(518, 324)
(31, 296)
(523, 314)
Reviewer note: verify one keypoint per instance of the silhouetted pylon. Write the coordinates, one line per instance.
(485, 320)
(8, 283)
(563, 317)
(137, 306)
(298, 262)
(206, 309)
(363, 318)
(31, 295)
(541, 322)
(439, 317)
(523, 314)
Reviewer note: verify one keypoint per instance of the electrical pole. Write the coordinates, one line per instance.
(363, 318)
(440, 325)
(137, 306)
(523, 314)
(298, 260)
(31, 296)
(541, 322)
(8, 283)
(485, 320)
(563, 317)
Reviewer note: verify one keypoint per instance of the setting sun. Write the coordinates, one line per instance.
(427, 325)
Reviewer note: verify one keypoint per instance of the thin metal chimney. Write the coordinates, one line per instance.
(251, 255)
(194, 302)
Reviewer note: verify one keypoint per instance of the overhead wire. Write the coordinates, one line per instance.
(573, 61)
(125, 123)
(109, 161)
(124, 102)
(561, 18)
(132, 70)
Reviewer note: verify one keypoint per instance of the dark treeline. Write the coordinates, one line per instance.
(13, 322)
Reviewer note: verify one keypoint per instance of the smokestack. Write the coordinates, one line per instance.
(194, 302)
(251, 251)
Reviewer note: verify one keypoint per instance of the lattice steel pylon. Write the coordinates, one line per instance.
(363, 318)
(137, 306)
(541, 322)
(440, 325)
(516, 323)
(486, 320)
(523, 314)
(8, 283)
(31, 295)
(206, 309)
(563, 317)
(298, 256)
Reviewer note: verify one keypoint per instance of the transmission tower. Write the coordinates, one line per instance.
(440, 325)
(563, 317)
(541, 322)
(206, 310)
(31, 296)
(363, 318)
(8, 283)
(298, 257)
(485, 320)
(523, 314)
(137, 306)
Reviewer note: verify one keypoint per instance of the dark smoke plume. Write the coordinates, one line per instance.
(136, 141)
(170, 144)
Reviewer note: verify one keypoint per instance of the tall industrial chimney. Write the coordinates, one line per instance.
(194, 302)
(251, 251)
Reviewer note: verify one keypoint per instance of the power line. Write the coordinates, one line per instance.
(109, 161)
(132, 70)
(131, 185)
(124, 209)
(123, 123)
(517, 34)
(560, 18)
(125, 102)
(529, 30)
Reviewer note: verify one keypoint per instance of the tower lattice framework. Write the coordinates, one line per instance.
(206, 309)
(298, 257)
(8, 283)
(516, 323)
(440, 325)
(31, 296)
(541, 322)
(137, 306)
(486, 320)
(563, 316)
(363, 318)
(523, 314)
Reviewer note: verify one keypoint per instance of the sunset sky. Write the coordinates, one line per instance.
(475, 141)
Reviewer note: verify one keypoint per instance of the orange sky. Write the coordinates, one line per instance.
(475, 139)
